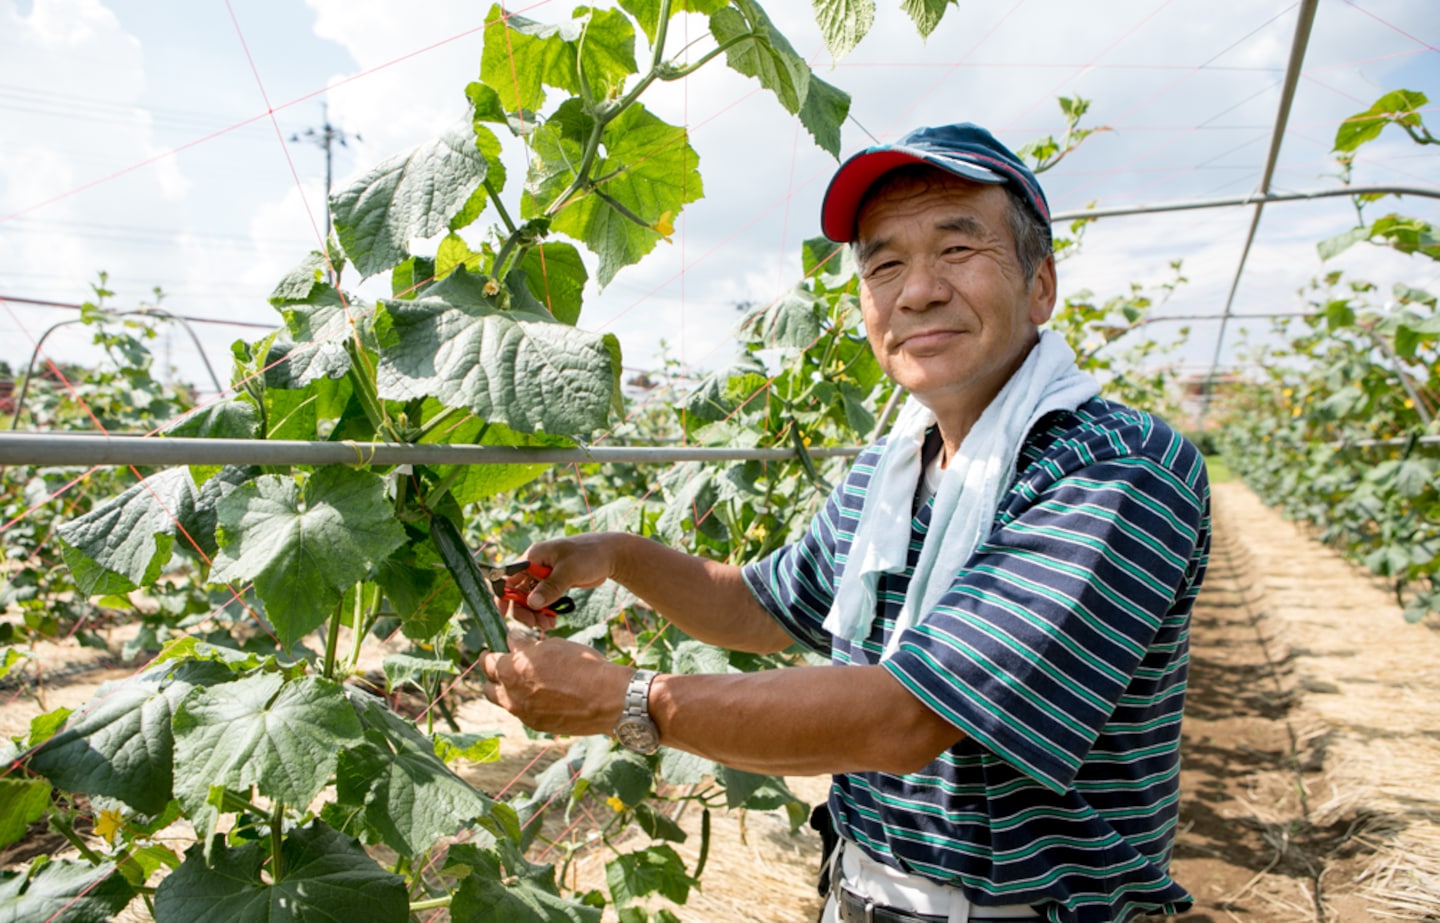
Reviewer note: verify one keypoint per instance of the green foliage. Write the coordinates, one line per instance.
(1398, 107)
(1408, 235)
(240, 729)
(317, 874)
(1332, 432)
(65, 892)
(1341, 428)
(843, 23)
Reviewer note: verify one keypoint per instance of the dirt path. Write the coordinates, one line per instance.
(1311, 780)
(1312, 740)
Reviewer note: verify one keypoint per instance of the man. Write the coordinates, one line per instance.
(1003, 586)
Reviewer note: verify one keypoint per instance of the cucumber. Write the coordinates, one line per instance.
(474, 589)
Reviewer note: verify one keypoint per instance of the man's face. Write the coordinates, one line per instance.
(948, 310)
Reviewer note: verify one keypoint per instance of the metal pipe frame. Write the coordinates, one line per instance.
(1252, 199)
(88, 451)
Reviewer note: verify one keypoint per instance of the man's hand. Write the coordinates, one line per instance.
(555, 685)
(583, 561)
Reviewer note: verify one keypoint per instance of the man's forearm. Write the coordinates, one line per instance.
(705, 599)
(800, 721)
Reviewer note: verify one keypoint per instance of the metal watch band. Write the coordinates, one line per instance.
(637, 694)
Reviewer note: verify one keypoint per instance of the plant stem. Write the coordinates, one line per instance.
(624, 212)
(499, 206)
(680, 73)
(433, 903)
(364, 387)
(363, 615)
(437, 421)
(332, 640)
(277, 838)
(62, 826)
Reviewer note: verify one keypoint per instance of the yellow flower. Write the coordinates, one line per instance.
(1296, 411)
(492, 288)
(1287, 392)
(665, 226)
(108, 824)
(1409, 404)
(615, 803)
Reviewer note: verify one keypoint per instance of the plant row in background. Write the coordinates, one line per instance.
(1340, 425)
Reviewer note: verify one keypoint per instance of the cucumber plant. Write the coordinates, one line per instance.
(478, 344)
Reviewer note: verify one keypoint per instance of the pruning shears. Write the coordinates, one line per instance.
(518, 593)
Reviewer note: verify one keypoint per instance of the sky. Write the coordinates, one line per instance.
(163, 144)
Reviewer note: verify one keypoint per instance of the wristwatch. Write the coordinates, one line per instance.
(636, 730)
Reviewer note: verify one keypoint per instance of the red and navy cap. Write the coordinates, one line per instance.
(965, 150)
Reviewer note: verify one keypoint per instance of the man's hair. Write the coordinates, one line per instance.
(1030, 233)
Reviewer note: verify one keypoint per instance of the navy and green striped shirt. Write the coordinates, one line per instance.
(1060, 651)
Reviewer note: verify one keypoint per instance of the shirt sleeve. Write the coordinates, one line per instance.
(796, 584)
(1037, 641)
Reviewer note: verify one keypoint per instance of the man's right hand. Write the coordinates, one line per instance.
(583, 561)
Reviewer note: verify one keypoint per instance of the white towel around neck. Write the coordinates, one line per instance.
(966, 499)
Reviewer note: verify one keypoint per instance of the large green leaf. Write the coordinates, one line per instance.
(503, 887)
(410, 798)
(656, 869)
(122, 544)
(648, 168)
(304, 543)
(236, 417)
(21, 802)
(792, 321)
(514, 367)
(1401, 107)
(556, 276)
(607, 53)
(521, 57)
(326, 876)
(823, 112)
(121, 744)
(282, 737)
(420, 589)
(409, 196)
(474, 483)
(926, 14)
(64, 892)
(843, 23)
(647, 12)
(765, 55)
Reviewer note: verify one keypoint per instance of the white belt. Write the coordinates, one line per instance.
(893, 888)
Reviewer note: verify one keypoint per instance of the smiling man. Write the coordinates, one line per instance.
(1003, 586)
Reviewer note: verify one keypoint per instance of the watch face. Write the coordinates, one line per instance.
(638, 734)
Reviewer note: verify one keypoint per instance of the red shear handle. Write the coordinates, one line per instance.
(562, 606)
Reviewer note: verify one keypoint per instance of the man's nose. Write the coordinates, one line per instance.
(924, 287)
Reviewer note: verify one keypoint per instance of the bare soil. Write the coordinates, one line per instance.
(1311, 776)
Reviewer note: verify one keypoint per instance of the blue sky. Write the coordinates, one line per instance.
(121, 150)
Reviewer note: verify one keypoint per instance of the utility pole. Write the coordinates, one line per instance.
(326, 138)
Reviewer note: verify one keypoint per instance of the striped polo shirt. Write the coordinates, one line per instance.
(1061, 652)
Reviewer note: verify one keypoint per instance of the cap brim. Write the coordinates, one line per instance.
(856, 175)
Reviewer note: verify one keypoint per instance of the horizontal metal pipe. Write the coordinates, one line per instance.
(1372, 443)
(86, 451)
(1251, 199)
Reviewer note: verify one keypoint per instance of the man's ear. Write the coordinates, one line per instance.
(1042, 292)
